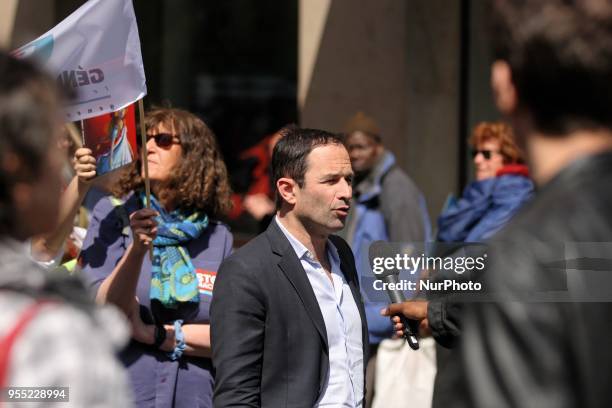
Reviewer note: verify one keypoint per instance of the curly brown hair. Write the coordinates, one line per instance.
(502, 133)
(200, 181)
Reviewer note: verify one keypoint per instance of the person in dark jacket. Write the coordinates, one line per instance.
(550, 348)
(543, 339)
(288, 327)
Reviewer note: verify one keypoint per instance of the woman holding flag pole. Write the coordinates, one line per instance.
(166, 296)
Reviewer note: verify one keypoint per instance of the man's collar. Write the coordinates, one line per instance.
(300, 249)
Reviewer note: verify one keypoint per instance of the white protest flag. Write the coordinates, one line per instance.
(96, 52)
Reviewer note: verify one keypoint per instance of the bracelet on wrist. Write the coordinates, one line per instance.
(179, 337)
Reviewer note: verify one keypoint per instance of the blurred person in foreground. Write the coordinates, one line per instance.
(287, 322)
(387, 206)
(51, 334)
(166, 296)
(539, 347)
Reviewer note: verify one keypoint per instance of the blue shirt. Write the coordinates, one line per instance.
(344, 386)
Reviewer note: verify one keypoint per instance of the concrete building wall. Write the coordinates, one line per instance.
(8, 12)
(432, 94)
(32, 18)
(396, 61)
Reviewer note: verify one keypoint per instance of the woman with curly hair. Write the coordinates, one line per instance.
(166, 296)
(501, 187)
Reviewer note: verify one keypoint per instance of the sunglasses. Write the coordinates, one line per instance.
(164, 140)
(485, 153)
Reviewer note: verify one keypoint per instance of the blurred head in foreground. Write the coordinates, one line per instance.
(30, 154)
(553, 73)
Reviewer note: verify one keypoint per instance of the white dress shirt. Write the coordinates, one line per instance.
(344, 385)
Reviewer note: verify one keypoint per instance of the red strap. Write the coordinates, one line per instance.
(7, 343)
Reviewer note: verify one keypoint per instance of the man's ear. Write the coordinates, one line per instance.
(504, 91)
(286, 188)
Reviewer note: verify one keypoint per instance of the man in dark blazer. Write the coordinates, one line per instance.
(288, 327)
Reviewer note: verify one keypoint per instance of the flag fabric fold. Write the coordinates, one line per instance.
(96, 53)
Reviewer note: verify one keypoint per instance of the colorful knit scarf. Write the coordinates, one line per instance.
(173, 277)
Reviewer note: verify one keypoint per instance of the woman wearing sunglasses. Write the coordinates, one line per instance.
(501, 187)
(158, 265)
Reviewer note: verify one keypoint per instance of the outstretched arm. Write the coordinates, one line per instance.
(46, 247)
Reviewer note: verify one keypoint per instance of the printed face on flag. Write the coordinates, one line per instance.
(112, 139)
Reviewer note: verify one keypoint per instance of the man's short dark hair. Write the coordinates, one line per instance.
(292, 150)
(28, 121)
(560, 54)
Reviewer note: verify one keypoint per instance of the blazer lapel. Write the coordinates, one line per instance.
(293, 270)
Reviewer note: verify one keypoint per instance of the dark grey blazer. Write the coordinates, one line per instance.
(268, 335)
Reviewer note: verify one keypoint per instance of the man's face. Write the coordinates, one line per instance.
(322, 204)
(363, 151)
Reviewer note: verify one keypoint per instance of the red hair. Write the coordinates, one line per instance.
(502, 133)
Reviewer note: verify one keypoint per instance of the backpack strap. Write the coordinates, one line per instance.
(9, 340)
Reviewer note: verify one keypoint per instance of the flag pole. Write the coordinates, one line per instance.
(74, 134)
(145, 164)
(82, 133)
